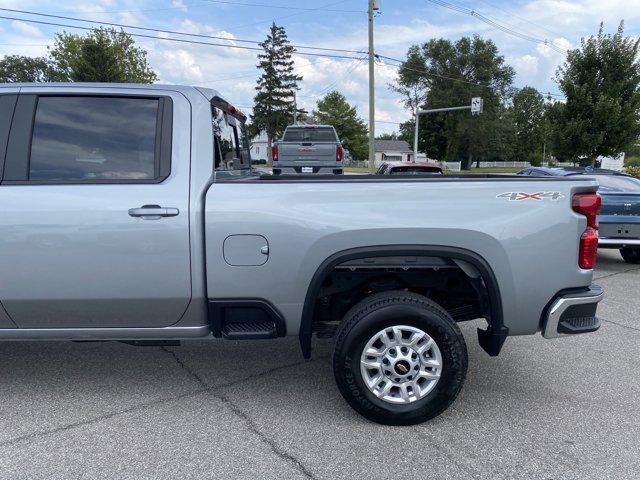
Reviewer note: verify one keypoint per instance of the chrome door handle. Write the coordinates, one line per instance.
(153, 212)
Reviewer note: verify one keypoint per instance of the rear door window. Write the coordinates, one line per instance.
(95, 138)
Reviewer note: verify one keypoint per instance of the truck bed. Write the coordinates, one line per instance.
(306, 219)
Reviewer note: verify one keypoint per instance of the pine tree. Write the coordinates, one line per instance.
(274, 101)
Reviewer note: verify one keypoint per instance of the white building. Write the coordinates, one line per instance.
(259, 147)
(392, 151)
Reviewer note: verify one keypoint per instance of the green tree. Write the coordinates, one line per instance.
(449, 74)
(104, 55)
(601, 114)
(274, 103)
(18, 68)
(388, 136)
(334, 110)
(529, 122)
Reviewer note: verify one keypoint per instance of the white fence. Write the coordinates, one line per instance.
(516, 164)
(453, 166)
(356, 163)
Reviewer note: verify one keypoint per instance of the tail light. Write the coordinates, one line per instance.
(274, 153)
(339, 153)
(588, 204)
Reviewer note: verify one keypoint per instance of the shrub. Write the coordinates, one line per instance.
(634, 171)
(632, 162)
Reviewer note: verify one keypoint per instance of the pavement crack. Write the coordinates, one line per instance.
(617, 273)
(107, 416)
(134, 408)
(186, 368)
(622, 325)
(275, 448)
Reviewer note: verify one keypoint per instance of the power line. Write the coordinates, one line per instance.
(357, 59)
(350, 68)
(255, 73)
(497, 25)
(172, 32)
(180, 40)
(511, 12)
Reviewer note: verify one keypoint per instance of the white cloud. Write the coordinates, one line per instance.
(526, 65)
(179, 64)
(27, 29)
(179, 4)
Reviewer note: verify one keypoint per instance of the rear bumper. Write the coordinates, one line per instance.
(315, 170)
(572, 313)
(619, 231)
(618, 242)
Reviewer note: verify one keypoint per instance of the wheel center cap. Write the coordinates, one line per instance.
(402, 367)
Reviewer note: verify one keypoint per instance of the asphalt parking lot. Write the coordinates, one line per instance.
(543, 409)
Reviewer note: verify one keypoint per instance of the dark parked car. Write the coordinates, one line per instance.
(619, 219)
(408, 168)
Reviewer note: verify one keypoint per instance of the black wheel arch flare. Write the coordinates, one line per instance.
(491, 339)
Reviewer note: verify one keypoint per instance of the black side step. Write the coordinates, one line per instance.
(250, 331)
(579, 325)
(245, 319)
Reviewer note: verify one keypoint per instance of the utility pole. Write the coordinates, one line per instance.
(415, 133)
(295, 108)
(373, 4)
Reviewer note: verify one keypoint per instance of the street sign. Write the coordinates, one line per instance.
(476, 105)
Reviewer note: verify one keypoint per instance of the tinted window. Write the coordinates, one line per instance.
(225, 134)
(7, 104)
(617, 183)
(309, 135)
(94, 138)
(414, 170)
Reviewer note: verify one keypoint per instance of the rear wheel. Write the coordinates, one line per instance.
(399, 358)
(630, 254)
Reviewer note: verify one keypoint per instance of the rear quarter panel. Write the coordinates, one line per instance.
(531, 245)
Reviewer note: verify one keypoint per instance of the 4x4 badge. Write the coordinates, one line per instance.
(519, 196)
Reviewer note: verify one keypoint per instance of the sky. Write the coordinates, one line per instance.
(549, 27)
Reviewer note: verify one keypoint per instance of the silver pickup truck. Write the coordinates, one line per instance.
(129, 214)
(307, 149)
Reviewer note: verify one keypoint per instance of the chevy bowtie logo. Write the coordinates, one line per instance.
(402, 368)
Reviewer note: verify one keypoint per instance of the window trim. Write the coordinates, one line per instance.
(18, 154)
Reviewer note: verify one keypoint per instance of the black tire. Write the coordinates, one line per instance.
(386, 309)
(630, 254)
